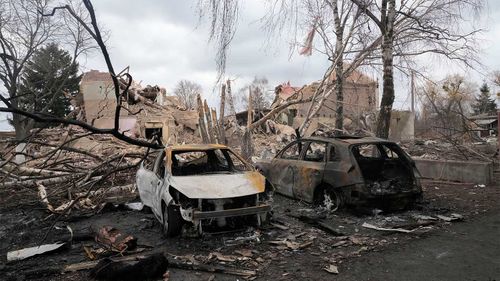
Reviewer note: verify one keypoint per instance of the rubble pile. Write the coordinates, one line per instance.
(440, 150)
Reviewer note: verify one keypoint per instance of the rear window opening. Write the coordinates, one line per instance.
(187, 163)
(384, 167)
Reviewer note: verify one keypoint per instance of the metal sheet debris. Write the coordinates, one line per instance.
(33, 251)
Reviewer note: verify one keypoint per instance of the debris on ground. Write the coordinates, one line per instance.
(371, 226)
(115, 240)
(25, 253)
(331, 269)
(149, 268)
(452, 217)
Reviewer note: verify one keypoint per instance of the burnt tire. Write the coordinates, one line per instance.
(331, 199)
(172, 221)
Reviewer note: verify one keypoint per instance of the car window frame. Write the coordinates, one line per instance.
(227, 153)
(306, 147)
(336, 157)
(280, 154)
(159, 159)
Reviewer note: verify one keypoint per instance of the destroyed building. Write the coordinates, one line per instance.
(147, 110)
(360, 99)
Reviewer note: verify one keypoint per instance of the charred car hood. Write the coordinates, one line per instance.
(219, 186)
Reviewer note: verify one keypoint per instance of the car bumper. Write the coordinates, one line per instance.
(260, 209)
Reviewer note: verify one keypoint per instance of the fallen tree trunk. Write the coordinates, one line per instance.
(172, 264)
(30, 171)
(34, 182)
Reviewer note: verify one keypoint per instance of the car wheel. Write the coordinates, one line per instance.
(172, 222)
(332, 200)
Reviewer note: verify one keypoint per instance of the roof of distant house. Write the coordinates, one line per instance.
(357, 77)
(96, 75)
(483, 116)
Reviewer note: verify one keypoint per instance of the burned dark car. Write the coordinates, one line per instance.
(198, 187)
(345, 170)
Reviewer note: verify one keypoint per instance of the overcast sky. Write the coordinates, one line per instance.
(163, 42)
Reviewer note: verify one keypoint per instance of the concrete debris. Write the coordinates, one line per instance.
(331, 269)
(136, 206)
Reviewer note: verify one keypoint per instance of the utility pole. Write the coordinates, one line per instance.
(412, 92)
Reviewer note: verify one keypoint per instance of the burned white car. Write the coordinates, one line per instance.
(197, 188)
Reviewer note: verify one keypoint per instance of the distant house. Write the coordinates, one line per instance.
(360, 98)
(486, 125)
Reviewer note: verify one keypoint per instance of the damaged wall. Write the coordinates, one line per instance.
(402, 125)
(98, 95)
(456, 171)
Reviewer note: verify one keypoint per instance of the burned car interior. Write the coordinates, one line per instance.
(186, 163)
(383, 167)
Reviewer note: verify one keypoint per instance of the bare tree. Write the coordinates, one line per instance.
(496, 78)
(446, 105)
(22, 30)
(413, 28)
(74, 35)
(261, 98)
(187, 91)
(345, 41)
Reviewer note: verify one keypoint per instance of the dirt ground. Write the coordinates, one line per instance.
(288, 249)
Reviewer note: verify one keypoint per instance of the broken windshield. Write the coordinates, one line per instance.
(216, 161)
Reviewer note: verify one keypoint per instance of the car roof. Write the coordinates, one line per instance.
(196, 147)
(348, 140)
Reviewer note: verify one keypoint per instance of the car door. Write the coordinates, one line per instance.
(340, 169)
(309, 170)
(282, 171)
(145, 180)
(157, 183)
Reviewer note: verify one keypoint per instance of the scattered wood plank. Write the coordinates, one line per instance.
(201, 120)
(221, 115)
(214, 269)
(172, 264)
(210, 127)
(319, 223)
(371, 226)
